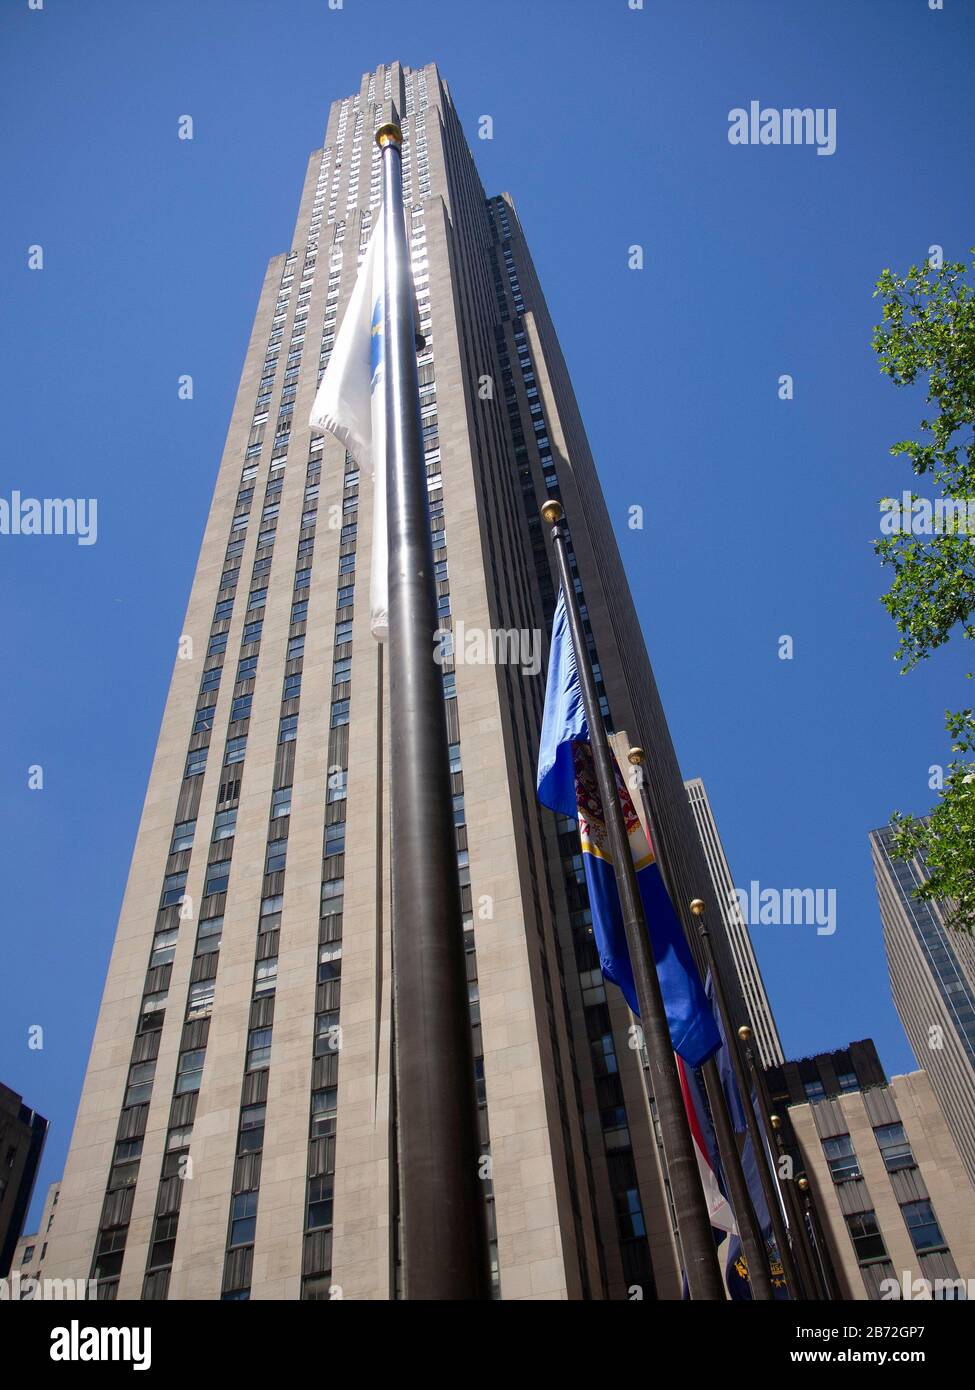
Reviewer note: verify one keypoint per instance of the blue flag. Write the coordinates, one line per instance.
(567, 784)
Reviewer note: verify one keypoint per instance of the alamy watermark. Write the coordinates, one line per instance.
(790, 907)
(927, 1290)
(495, 646)
(919, 516)
(50, 516)
(793, 125)
(19, 1288)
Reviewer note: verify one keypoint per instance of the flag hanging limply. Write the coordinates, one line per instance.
(736, 1269)
(350, 403)
(706, 1151)
(567, 784)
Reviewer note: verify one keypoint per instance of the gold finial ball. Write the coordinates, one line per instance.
(745, 1033)
(775, 1121)
(636, 756)
(389, 134)
(552, 511)
(803, 1184)
(697, 907)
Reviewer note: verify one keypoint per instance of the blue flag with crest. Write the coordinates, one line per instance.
(567, 783)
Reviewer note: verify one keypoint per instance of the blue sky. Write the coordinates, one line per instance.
(610, 129)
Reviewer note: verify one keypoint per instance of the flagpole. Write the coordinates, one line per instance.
(803, 1270)
(704, 1279)
(816, 1233)
(753, 1243)
(444, 1236)
(761, 1152)
(754, 1237)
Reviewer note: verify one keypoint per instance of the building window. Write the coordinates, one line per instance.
(172, 889)
(163, 947)
(208, 936)
(922, 1224)
(266, 976)
(841, 1157)
(277, 852)
(28, 1254)
(281, 802)
(218, 876)
(252, 1128)
(258, 1049)
(815, 1090)
(200, 1000)
(182, 836)
(865, 1234)
(323, 1110)
(241, 708)
(288, 730)
(335, 839)
(319, 1203)
(153, 1004)
(236, 750)
(140, 1083)
(189, 1072)
(196, 763)
(894, 1146)
(203, 719)
(224, 825)
(847, 1081)
(243, 1218)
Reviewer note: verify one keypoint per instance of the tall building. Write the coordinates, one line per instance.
(895, 1216)
(735, 928)
(22, 1135)
(233, 1138)
(932, 980)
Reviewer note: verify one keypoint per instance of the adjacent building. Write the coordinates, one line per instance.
(894, 1210)
(22, 1135)
(932, 980)
(735, 928)
(30, 1253)
(235, 1136)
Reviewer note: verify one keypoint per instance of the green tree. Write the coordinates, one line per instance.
(928, 334)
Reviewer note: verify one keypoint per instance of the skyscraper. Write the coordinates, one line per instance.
(22, 1135)
(932, 979)
(235, 1134)
(735, 928)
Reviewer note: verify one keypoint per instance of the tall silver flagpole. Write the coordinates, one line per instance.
(444, 1237)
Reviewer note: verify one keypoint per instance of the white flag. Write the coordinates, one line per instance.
(351, 405)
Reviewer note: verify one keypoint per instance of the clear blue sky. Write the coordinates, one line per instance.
(610, 128)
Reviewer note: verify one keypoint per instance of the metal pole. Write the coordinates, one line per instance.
(704, 1279)
(444, 1238)
(818, 1239)
(797, 1245)
(752, 1240)
(751, 1122)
